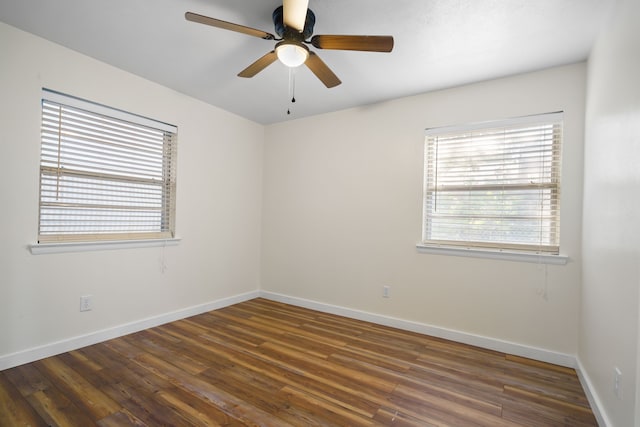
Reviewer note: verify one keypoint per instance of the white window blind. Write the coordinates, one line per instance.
(494, 185)
(104, 174)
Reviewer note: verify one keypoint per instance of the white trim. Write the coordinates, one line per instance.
(30, 355)
(98, 245)
(493, 254)
(594, 401)
(516, 349)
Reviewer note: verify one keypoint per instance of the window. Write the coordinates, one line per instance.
(494, 185)
(104, 174)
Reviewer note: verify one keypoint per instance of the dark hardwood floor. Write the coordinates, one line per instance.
(262, 363)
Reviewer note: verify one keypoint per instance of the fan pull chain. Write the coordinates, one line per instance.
(292, 77)
(292, 87)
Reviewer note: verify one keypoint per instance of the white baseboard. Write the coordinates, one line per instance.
(592, 396)
(51, 349)
(540, 354)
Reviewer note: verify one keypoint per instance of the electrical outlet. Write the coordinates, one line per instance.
(385, 291)
(85, 303)
(617, 383)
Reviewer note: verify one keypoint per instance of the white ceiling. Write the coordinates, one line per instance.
(438, 44)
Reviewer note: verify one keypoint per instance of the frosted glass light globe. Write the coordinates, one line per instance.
(292, 55)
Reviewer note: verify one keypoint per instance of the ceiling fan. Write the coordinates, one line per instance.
(294, 23)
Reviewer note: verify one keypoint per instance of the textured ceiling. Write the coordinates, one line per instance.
(438, 44)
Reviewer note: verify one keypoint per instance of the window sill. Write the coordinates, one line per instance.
(56, 248)
(494, 254)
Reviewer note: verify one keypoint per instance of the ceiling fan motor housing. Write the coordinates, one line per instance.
(284, 32)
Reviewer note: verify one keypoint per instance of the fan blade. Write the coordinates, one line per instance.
(259, 65)
(295, 13)
(201, 19)
(362, 43)
(320, 69)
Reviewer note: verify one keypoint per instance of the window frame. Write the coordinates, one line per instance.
(535, 252)
(163, 233)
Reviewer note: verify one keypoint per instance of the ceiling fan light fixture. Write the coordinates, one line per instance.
(294, 34)
(292, 54)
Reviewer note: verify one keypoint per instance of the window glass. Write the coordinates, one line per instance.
(494, 185)
(104, 174)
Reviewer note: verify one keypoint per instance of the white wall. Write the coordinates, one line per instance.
(611, 252)
(342, 215)
(218, 206)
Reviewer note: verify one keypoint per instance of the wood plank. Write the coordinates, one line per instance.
(148, 408)
(15, 410)
(333, 413)
(196, 411)
(545, 400)
(120, 419)
(82, 393)
(263, 393)
(228, 403)
(278, 371)
(530, 414)
(27, 379)
(465, 410)
(57, 409)
(389, 417)
(423, 388)
(164, 349)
